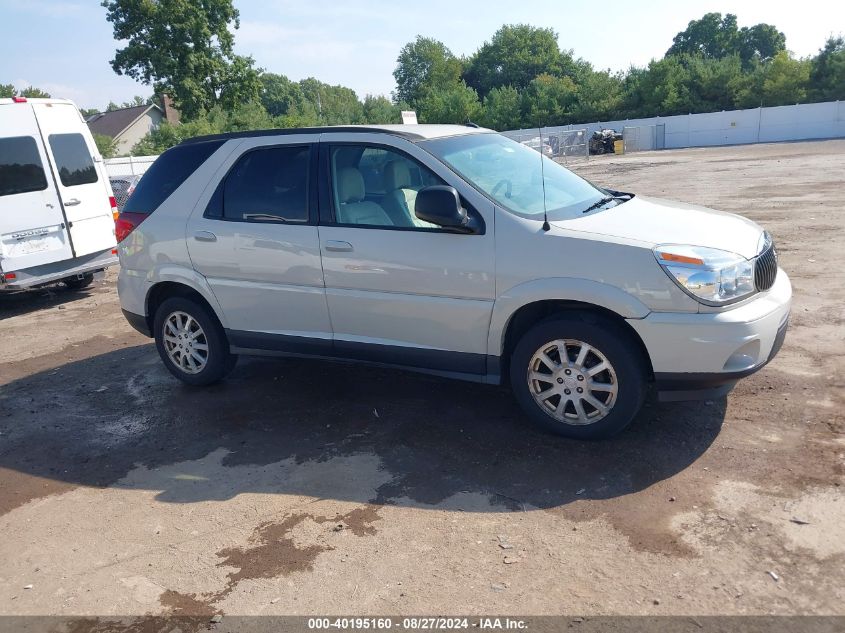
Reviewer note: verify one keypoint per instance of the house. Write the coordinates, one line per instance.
(127, 126)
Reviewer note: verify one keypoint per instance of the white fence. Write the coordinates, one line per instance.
(129, 165)
(561, 144)
(124, 174)
(733, 127)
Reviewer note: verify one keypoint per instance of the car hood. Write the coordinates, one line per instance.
(657, 221)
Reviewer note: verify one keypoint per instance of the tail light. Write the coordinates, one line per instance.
(113, 205)
(126, 223)
(19, 99)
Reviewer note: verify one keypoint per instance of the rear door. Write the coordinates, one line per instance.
(32, 228)
(83, 190)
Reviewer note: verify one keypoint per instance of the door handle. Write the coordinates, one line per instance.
(72, 202)
(205, 236)
(338, 246)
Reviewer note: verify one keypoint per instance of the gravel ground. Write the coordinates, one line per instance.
(297, 487)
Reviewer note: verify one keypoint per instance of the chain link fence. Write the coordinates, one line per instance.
(561, 146)
(124, 174)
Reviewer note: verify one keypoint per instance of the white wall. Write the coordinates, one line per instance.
(733, 127)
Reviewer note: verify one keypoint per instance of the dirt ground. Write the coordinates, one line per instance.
(297, 487)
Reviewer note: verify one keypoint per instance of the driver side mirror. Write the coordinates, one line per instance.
(441, 205)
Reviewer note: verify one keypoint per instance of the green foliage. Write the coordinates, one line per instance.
(515, 56)
(137, 100)
(184, 49)
(424, 66)
(105, 145)
(502, 109)
(549, 100)
(9, 90)
(715, 37)
(456, 104)
(380, 110)
(827, 71)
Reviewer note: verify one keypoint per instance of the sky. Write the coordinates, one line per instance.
(64, 46)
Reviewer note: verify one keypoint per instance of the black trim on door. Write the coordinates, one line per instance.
(443, 361)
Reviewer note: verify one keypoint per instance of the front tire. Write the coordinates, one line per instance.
(579, 376)
(191, 342)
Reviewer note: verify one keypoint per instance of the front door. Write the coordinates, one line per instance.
(32, 227)
(83, 191)
(399, 290)
(256, 243)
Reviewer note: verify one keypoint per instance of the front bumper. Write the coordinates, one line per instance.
(697, 356)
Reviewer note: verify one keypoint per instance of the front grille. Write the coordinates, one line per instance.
(766, 268)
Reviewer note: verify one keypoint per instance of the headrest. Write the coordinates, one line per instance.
(350, 185)
(396, 175)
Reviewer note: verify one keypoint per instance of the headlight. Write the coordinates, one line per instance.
(711, 276)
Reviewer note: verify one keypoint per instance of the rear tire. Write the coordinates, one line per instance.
(579, 376)
(191, 343)
(78, 283)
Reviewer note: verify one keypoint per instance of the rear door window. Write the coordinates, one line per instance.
(268, 185)
(73, 159)
(167, 174)
(21, 170)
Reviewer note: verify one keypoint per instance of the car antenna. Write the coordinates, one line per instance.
(546, 226)
(471, 124)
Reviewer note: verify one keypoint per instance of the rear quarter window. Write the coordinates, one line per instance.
(167, 174)
(21, 170)
(73, 159)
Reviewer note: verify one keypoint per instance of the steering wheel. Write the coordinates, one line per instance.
(503, 181)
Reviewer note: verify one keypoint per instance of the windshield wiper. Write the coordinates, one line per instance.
(264, 217)
(601, 202)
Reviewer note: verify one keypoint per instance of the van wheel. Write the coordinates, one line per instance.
(78, 283)
(577, 378)
(191, 343)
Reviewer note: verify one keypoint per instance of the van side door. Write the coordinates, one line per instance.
(32, 227)
(83, 191)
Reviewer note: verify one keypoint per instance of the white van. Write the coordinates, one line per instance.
(56, 205)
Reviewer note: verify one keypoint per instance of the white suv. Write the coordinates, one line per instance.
(449, 250)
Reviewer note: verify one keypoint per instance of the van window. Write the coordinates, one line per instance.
(21, 170)
(167, 174)
(73, 159)
(268, 183)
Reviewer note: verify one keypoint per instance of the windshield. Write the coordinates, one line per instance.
(509, 173)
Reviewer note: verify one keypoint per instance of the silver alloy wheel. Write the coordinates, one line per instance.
(185, 342)
(572, 382)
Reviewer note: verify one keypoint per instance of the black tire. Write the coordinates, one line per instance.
(613, 343)
(78, 283)
(219, 361)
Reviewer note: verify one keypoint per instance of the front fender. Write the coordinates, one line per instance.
(558, 288)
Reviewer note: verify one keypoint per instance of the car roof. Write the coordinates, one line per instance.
(410, 132)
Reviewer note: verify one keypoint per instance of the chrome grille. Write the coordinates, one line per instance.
(766, 268)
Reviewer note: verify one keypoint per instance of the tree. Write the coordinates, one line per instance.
(279, 94)
(549, 100)
(827, 71)
(502, 109)
(184, 49)
(715, 37)
(457, 104)
(424, 65)
(785, 81)
(334, 105)
(515, 55)
(9, 90)
(136, 101)
(599, 96)
(380, 110)
(105, 145)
